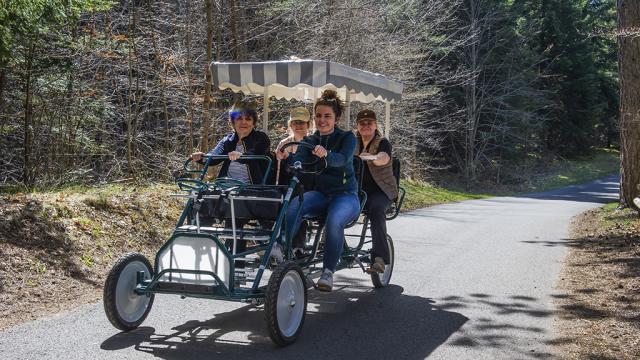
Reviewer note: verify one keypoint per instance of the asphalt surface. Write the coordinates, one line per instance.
(473, 280)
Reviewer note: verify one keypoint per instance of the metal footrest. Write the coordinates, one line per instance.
(227, 233)
(185, 288)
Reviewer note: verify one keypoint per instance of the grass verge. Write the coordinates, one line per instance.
(420, 194)
(562, 173)
(555, 174)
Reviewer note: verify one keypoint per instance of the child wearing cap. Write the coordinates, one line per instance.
(298, 127)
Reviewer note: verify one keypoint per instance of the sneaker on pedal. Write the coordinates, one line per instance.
(276, 257)
(299, 253)
(377, 266)
(325, 283)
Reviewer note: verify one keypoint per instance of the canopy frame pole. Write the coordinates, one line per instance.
(347, 110)
(387, 119)
(265, 110)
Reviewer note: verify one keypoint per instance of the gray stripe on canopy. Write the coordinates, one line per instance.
(282, 73)
(306, 72)
(340, 81)
(234, 74)
(258, 71)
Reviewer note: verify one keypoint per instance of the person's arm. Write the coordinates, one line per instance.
(384, 153)
(218, 150)
(303, 153)
(339, 158)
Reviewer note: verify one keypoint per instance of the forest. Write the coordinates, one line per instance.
(95, 91)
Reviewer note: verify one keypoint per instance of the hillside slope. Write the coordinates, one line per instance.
(56, 248)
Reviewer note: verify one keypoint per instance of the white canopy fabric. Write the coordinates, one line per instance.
(304, 80)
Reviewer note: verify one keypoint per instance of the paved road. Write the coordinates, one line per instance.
(473, 280)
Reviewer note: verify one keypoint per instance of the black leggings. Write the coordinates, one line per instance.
(377, 203)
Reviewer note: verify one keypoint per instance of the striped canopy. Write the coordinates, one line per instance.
(304, 80)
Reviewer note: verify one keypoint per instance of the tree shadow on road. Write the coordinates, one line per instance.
(502, 329)
(353, 322)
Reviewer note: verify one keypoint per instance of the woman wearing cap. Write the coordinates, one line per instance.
(298, 127)
(335, 190)
(243, 140)
(377, 181)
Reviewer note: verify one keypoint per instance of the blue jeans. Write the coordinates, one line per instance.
(340, 210)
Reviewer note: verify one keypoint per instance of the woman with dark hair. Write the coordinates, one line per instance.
(378, 182)
(243, 140)
(335, 190)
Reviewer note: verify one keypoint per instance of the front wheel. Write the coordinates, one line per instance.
(382, 280)
(285, 303)
(124, 308)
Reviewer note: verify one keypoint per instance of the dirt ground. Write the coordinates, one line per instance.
(57, 248)
(600, 288)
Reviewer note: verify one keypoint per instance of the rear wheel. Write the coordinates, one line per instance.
(124, 308)
(285, 303)
(382, 279)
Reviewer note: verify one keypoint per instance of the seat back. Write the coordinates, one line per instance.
(358, 166)
(252, 202)
(395, 167)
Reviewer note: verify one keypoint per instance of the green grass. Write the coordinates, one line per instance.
(568, 172)
(617, 220)
(558, 174)
(420, 194)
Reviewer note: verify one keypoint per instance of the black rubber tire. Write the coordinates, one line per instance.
(375, 277)
(110, 286)
(271, 303)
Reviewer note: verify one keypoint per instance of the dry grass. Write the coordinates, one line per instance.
(57, 248)
(601, 286)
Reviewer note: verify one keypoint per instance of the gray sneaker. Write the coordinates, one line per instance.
(325, 283)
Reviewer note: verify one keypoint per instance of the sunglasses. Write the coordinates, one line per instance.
(298, 122)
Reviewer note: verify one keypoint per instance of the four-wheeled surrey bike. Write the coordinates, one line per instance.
(202, 259)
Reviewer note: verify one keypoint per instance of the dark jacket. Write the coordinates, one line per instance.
(339, 176)
(256, 143)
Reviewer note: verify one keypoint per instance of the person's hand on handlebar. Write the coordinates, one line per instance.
(319, 151)
(234, 155)
(197, 156)
(282, 154)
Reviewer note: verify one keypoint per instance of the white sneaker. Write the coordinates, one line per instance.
(325, 283)
(277, 255)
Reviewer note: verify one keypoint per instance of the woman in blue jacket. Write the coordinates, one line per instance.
(335, 193)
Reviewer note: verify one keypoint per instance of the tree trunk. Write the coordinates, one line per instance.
(3, 81)
(132, 94)
(629, 68)
(27, 177)
(235, 39)
(189, 76)
(204, 142)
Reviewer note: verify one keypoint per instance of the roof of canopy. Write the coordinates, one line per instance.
(304, 80)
